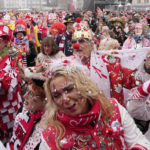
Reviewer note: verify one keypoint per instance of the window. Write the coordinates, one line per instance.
(138, 1)
(146, 1)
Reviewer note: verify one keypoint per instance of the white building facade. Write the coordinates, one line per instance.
(22, 4)
(141, 4)
(79, 4)
(15, 4)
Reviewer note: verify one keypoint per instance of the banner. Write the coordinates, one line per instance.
(131, 59)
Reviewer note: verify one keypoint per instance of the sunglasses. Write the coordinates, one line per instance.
(80, 41)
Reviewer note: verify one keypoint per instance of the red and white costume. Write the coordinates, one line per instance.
(10, 96)
(119, 132)
(26, 136)
(139, 104)
(115, 73)
(114, 76)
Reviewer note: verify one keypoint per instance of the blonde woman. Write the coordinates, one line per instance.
(79, 116)
(109, 44)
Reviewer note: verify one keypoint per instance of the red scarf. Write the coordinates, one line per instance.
(80, 122)
(24, 130)
(78, 128)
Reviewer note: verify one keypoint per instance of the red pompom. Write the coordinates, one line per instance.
(29, 17)
(19, 36)
(66, 61)
(76, 46)
(126, 15)
(78, 19)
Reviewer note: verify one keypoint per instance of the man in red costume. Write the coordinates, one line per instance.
(117, 76)
(10, 91)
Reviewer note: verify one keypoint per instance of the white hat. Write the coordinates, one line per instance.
(70, 63)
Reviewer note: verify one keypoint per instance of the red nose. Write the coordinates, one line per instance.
(76, 46)
(19, 36)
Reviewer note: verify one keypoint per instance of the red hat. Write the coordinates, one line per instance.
(5, 31)
(58, 27)
(20, 26)
(29, 17)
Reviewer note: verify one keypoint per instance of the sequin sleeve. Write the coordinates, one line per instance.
(133, 136)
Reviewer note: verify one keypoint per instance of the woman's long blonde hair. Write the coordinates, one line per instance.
(87, 90)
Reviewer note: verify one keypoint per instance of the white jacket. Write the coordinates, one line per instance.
(140, 109)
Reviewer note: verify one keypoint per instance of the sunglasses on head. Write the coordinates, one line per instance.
(79, 41)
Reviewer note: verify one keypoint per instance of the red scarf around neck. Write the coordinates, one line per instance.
(24, 130)
(82, 121)
(78, 128)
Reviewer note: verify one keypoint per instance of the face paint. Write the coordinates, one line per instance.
(66, 97)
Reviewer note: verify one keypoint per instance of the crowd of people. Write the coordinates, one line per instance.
(75, 80)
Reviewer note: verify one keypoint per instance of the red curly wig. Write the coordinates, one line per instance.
(58, 27)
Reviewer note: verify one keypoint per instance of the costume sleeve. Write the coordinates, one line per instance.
(133, 136)
(128, 78)
(139, 110)
(138, 103)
